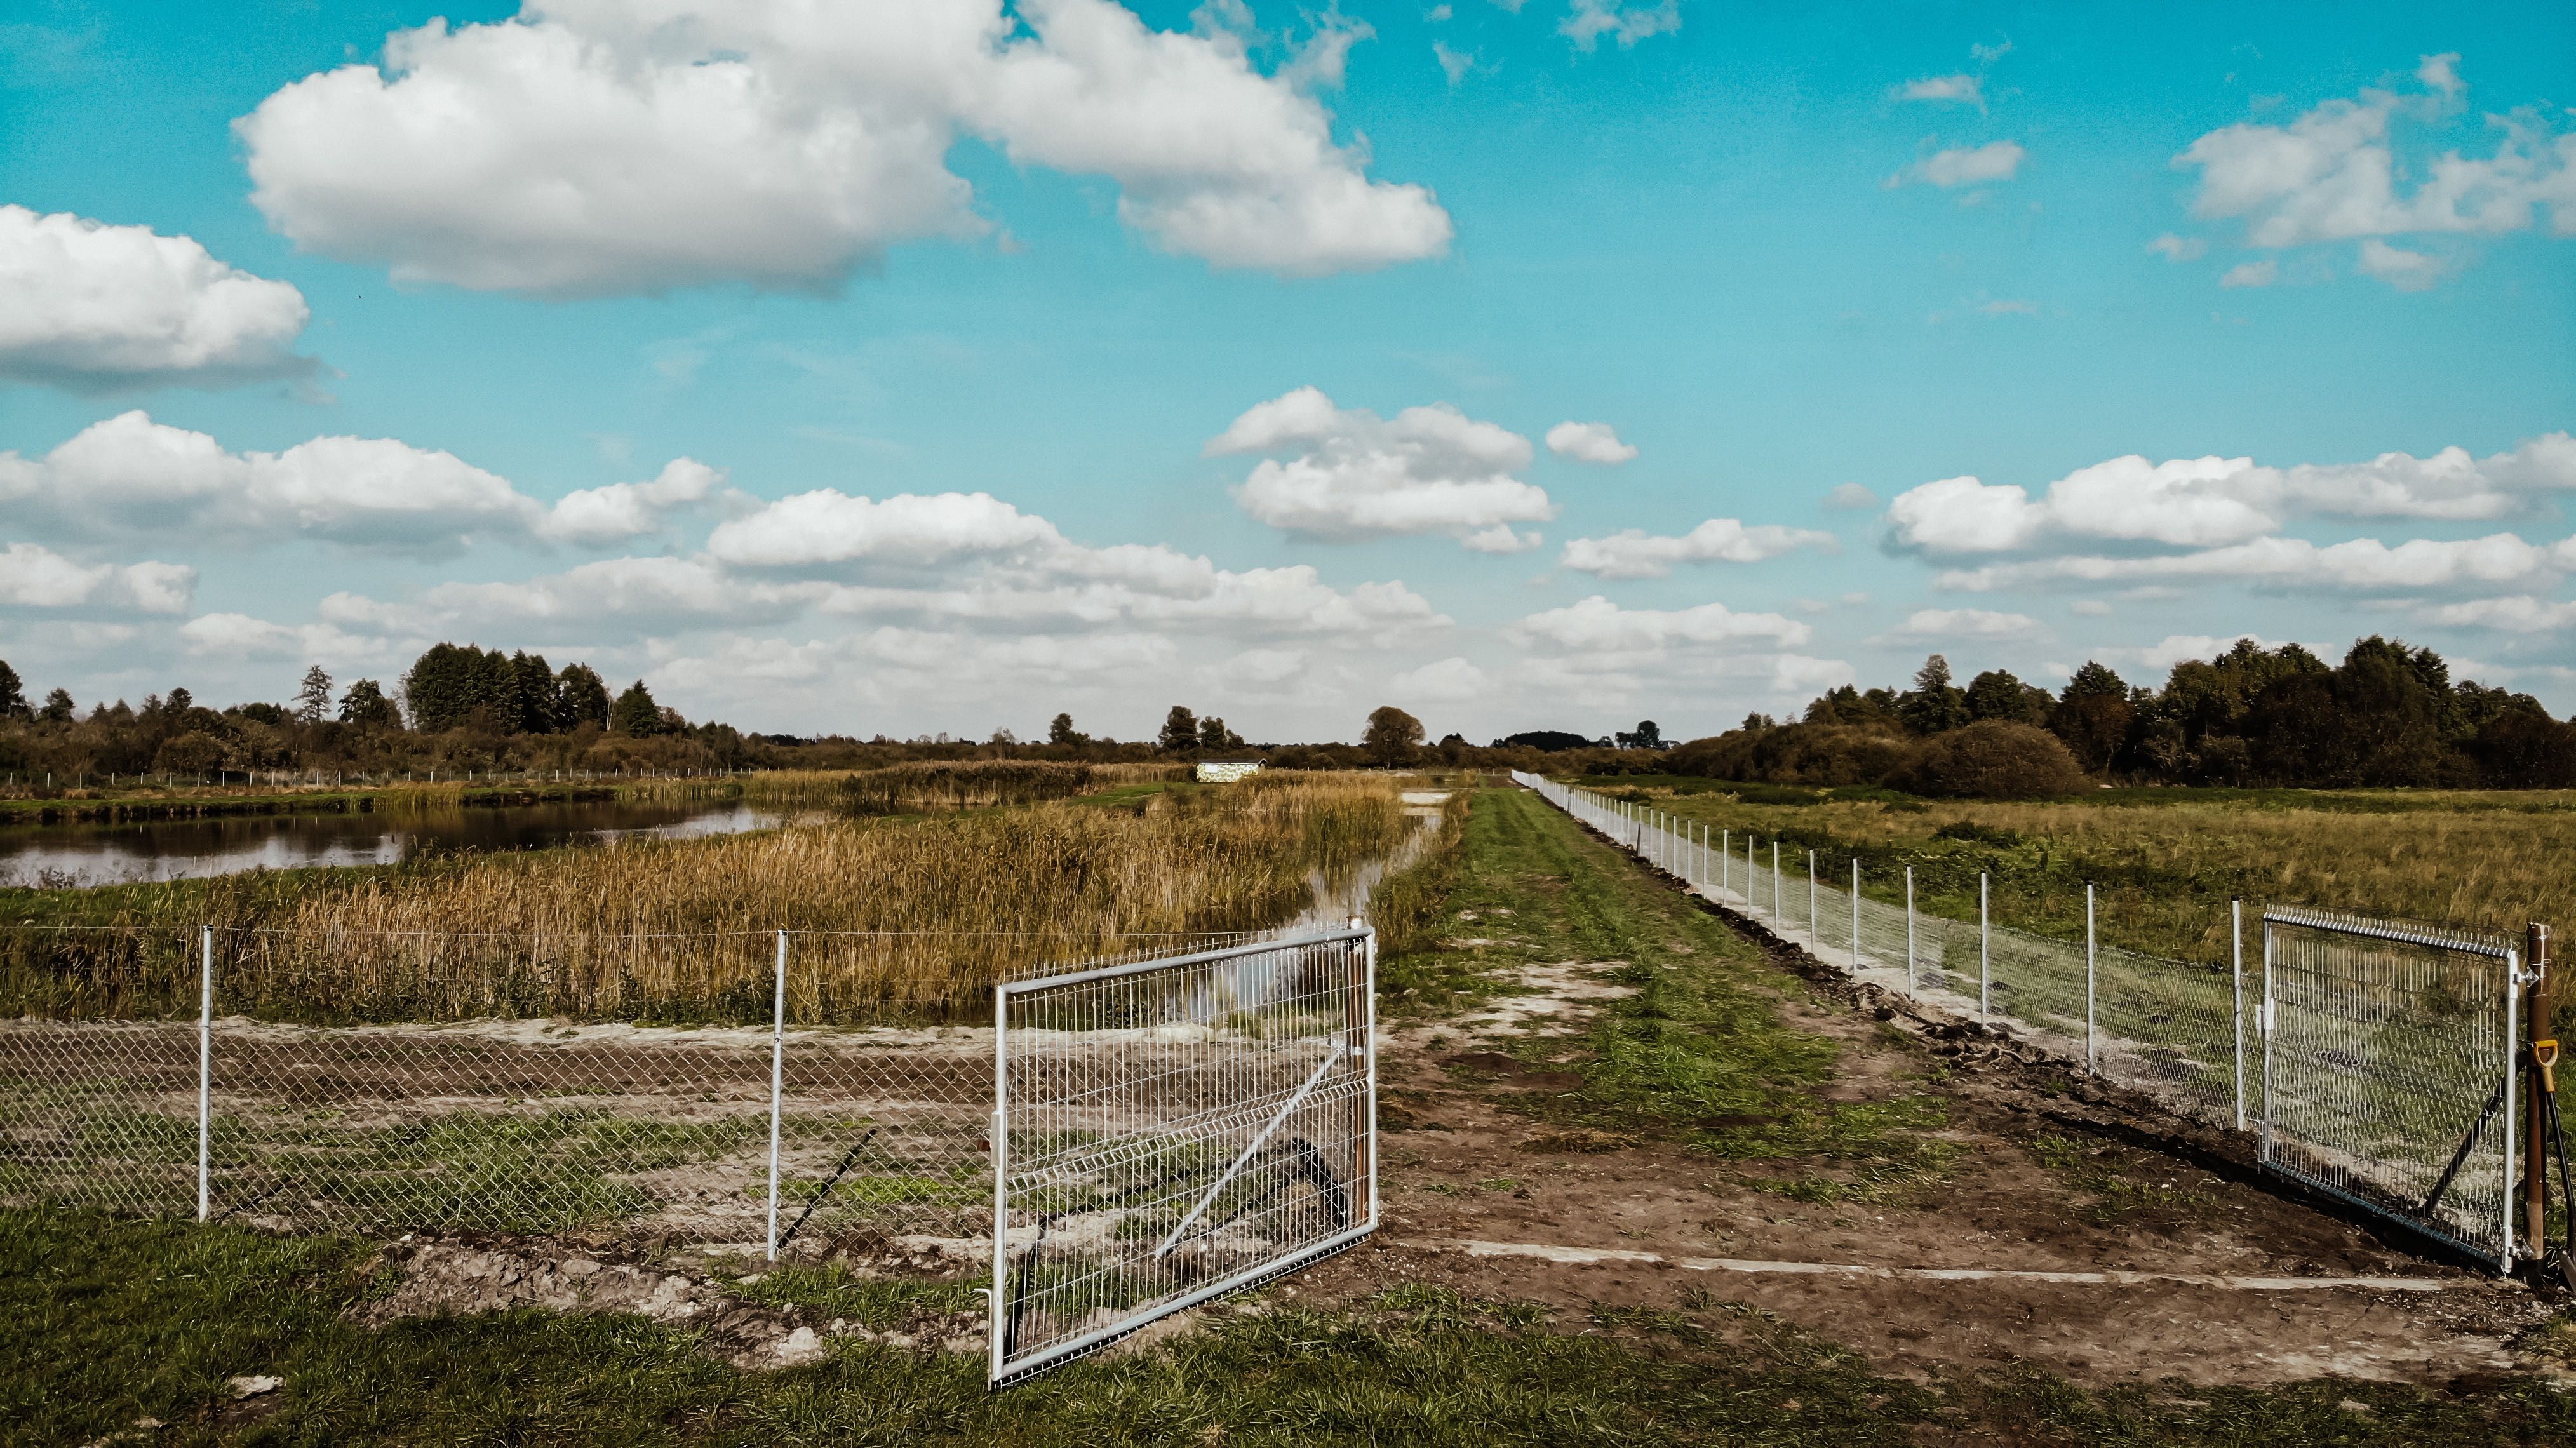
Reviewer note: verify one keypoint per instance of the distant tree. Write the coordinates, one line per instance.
(313, 696)
(1392, 737)
(1934, 705)
(449, 683)
(1645, 736)
(179, 703)
(1214, 735)
(635, 714)
(581, 697)
(366, 706)
(1061, 731)
(59, 707)
(2093, 714)
(1180, 730)
(1551, 741)
(2525, 749)
(13, 697)
(536, 695)
(1003, 736)
(1996, 694)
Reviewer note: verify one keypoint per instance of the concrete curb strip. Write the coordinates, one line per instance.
(1595, 1257)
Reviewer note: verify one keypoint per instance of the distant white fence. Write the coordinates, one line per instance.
(2370, 1059)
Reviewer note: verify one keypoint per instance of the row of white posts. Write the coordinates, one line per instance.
(1696, 853)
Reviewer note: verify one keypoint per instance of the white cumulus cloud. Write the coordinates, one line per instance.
(1934, 625)
(1442, 681)
(1351, 474)
(2330, 174)
(1963, 88)
(34, 576)
(2407, 271)
(2214, 501)
(87, 305)
(1589, 442)
(1587, 21)
(1965, 165)
(594, 147)
(1634, 553)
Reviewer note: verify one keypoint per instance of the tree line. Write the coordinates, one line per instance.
(2386, 716)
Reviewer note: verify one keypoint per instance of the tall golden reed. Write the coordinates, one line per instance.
(905, 918)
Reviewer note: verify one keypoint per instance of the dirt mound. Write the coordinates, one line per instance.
(464, 1275)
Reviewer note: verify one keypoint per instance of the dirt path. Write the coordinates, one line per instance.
(2043, 1182)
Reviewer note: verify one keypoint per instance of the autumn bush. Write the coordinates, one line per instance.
(1995, 760)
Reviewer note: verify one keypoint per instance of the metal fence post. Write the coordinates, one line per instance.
(1812, 937)
(1368, 996)
(2535, 1024)
(1725, 859)
(2236, 972)
(1775, 882)
(1985, 952)
(2088, 975)
(1749, 902)
(1855, 914)
(2263, 1024)
(997, 1300)
(777, 1082)
(205, 1065)
(1909, 927)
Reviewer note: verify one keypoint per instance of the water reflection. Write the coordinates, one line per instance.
(104, 854)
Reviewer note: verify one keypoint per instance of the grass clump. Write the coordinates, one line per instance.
(962, 784)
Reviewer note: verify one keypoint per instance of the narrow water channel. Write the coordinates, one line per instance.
(66, 856)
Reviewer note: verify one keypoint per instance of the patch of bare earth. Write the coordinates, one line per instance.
(2054, 1174)
(462, 1274)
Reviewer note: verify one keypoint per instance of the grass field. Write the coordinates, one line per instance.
(2166, 861)
(910, 912)
(120, 1320)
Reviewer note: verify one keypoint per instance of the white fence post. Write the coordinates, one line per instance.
(1985, 953)
(777, 1083)
(2236, 977)
(205, 1065)
(2263, 1024)
(2088, 975)
(1725, 860)
(1909, 928)
(1855, 914)
(1812, 937)
(1775, 882)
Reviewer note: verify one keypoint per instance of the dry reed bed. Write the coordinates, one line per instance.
(910, 918)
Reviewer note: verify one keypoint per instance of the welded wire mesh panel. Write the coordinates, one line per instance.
(2388, 1043)
(487, 1122)
(2036, 981)
(1174, 1130)
(2168, 1028)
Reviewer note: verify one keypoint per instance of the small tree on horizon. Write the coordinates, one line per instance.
(366, 706)
(1180, 730)
(635, 714)
(1061, 731)
(1392, 738)
(313, 697)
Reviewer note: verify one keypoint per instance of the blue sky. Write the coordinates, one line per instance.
(1254, 323)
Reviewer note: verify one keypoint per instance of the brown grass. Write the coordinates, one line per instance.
(904, 917)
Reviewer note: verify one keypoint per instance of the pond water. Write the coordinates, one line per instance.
(107, 854)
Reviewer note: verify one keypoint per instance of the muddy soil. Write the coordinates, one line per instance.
(2055, 1174)
(426, 1275)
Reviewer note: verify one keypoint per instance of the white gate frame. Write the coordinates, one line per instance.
(1003, 1369)
(2267, 1022)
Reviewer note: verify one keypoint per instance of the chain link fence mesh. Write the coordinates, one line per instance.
(2389, 1042)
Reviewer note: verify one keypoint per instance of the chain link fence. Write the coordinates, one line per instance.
(2370, 1058)
(752, 1089)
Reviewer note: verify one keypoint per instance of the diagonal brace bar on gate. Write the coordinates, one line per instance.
(1321, 1067)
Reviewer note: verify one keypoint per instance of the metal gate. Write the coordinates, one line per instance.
(1167, 1131)
(2388, 1056)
